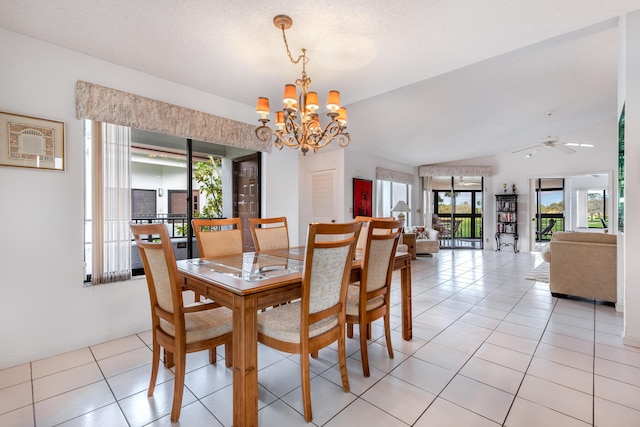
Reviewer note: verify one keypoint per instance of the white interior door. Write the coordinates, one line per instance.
(324, 193)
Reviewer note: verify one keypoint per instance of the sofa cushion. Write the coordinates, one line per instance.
(421, 233)
(546, 253)
(572, 236)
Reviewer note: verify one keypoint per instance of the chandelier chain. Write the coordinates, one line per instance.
(286, 45)
(303, 131)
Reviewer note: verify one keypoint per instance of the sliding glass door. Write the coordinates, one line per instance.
(549, 207)
(458, 209)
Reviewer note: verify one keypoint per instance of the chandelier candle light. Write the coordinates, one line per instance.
(304, 132)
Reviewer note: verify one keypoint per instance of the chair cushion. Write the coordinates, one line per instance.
(203, 325)
(353, 300)
(283, 323)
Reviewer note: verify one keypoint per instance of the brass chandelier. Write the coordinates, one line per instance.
(303, 132)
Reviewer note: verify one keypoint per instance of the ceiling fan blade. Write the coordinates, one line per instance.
(537, 147)
(578, 144)
(533, 152)
(565, 149)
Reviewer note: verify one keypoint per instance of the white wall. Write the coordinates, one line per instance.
(358, 165)
(45, 307)
(281, 187)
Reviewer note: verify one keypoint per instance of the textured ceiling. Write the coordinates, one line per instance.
(424, 81)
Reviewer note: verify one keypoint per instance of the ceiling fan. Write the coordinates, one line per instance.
(467, 181)
(553, 142)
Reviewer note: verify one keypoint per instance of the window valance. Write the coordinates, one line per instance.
(103, 104)
(456, 170)
(395, 176)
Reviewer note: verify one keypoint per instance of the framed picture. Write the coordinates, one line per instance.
(31, 142)
(362, 197)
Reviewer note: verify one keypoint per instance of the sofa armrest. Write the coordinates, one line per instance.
(433, 234)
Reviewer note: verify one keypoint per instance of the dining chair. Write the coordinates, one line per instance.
(317, 319)
(361, 247)
(369, 299)
(269, 233)
(179, 329)
(365, 220)
(218, 237)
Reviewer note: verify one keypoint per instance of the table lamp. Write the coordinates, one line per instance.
(401, 207)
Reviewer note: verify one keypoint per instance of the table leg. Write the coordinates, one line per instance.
(405, 292)
(245, 361)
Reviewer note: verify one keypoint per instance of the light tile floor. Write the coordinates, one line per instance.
(490, 348)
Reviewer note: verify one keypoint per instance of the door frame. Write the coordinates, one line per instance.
(257, 156)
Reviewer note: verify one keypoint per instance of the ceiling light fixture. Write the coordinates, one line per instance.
(304, 132)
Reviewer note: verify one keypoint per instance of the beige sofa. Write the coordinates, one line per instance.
(427, 240)
(583, 265)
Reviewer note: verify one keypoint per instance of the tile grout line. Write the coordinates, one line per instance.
(109, 386)
(33, 393)
(555, 304)
(458, 372)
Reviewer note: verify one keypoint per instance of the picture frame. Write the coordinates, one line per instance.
(362, 197)
(31, 142)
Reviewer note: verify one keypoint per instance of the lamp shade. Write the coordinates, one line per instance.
(342, 116)
(333, 100)
(262, 106)
(401, 207)
(289, 94)
(312, 101)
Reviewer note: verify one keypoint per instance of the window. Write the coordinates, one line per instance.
(549, 207)
(389, 193)
(155, 191)
(592, 208)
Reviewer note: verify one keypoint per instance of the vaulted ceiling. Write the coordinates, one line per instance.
(424, 81)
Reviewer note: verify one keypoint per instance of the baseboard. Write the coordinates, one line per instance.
(66, 346)
(630, 341)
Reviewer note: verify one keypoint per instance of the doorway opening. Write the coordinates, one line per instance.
(549, 208)
(458, 211)
(570, 203)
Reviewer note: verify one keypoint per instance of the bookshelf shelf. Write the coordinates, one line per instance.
(507, 221)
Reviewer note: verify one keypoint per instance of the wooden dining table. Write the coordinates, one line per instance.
(252, 281)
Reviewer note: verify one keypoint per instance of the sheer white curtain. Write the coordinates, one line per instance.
(111, 203)
(427, 183)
